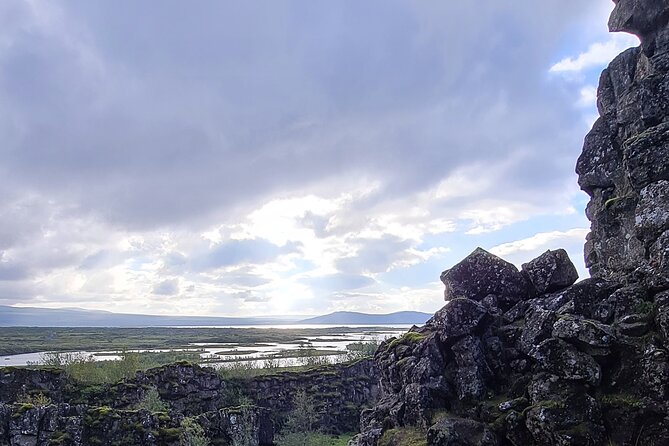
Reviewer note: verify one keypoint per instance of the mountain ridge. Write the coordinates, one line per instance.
(352, 317)
(76, 317)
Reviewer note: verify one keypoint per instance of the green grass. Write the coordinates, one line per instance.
(313, 439)
(407, 436)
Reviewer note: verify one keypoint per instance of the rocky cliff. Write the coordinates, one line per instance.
(530, 357)
(624, 165)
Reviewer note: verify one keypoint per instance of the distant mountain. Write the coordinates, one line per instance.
(348, 317)
(75, 317)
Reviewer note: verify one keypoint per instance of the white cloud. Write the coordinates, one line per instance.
(524, 250)
(597, 55)
(538, 241)
(587, 96)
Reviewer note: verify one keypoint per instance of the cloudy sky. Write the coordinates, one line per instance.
(287, 156)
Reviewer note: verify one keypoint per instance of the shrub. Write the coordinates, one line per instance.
(192, 433)
(361, 349)
(36, 399)
(152, 402)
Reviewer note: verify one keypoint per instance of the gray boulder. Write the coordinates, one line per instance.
(551, 271)
(481, 274)
(566, 361)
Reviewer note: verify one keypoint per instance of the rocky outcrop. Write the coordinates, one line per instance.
(578, 364)
(63, 424)
(532, 358)
(45, 407)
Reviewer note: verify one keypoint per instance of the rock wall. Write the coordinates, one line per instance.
(80, 425)
(233, 411)
(624, 165)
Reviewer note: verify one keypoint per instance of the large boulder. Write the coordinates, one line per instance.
(551, 271)
(481, 274)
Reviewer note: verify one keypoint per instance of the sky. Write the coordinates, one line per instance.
(287, 157)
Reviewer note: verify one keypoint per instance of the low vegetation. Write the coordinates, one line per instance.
(88, 369)
(17, 340)
(299, 428)
(192, 434)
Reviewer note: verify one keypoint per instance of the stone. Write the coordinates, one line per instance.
(662, 316)
(598, 163)
(551, 271)
(457, 318)
(587, 293)
(538, 327)
(595, 338)
(481, 274)
(451, 431)
(565, 361)
(472, 368)
(634, 325)
(652, 212)
(562, 412)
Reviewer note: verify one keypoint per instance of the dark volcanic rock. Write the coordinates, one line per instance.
(552, 271)
(481, 274)
(591, 336)
(624, 166)
(565, 361)
(473, 370)
(457, 318)
(461, 432)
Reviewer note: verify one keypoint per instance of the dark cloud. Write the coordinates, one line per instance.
(148, 123)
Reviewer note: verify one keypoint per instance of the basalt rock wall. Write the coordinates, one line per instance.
(624, 166)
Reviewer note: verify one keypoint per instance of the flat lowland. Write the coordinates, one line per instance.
(18, 340)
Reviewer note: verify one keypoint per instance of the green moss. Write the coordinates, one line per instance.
(407, 338)
(168, 434)
(407, 436)
(21, 409)
(621, 400)
(438, 415)
(644, 307)
(59, 438)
